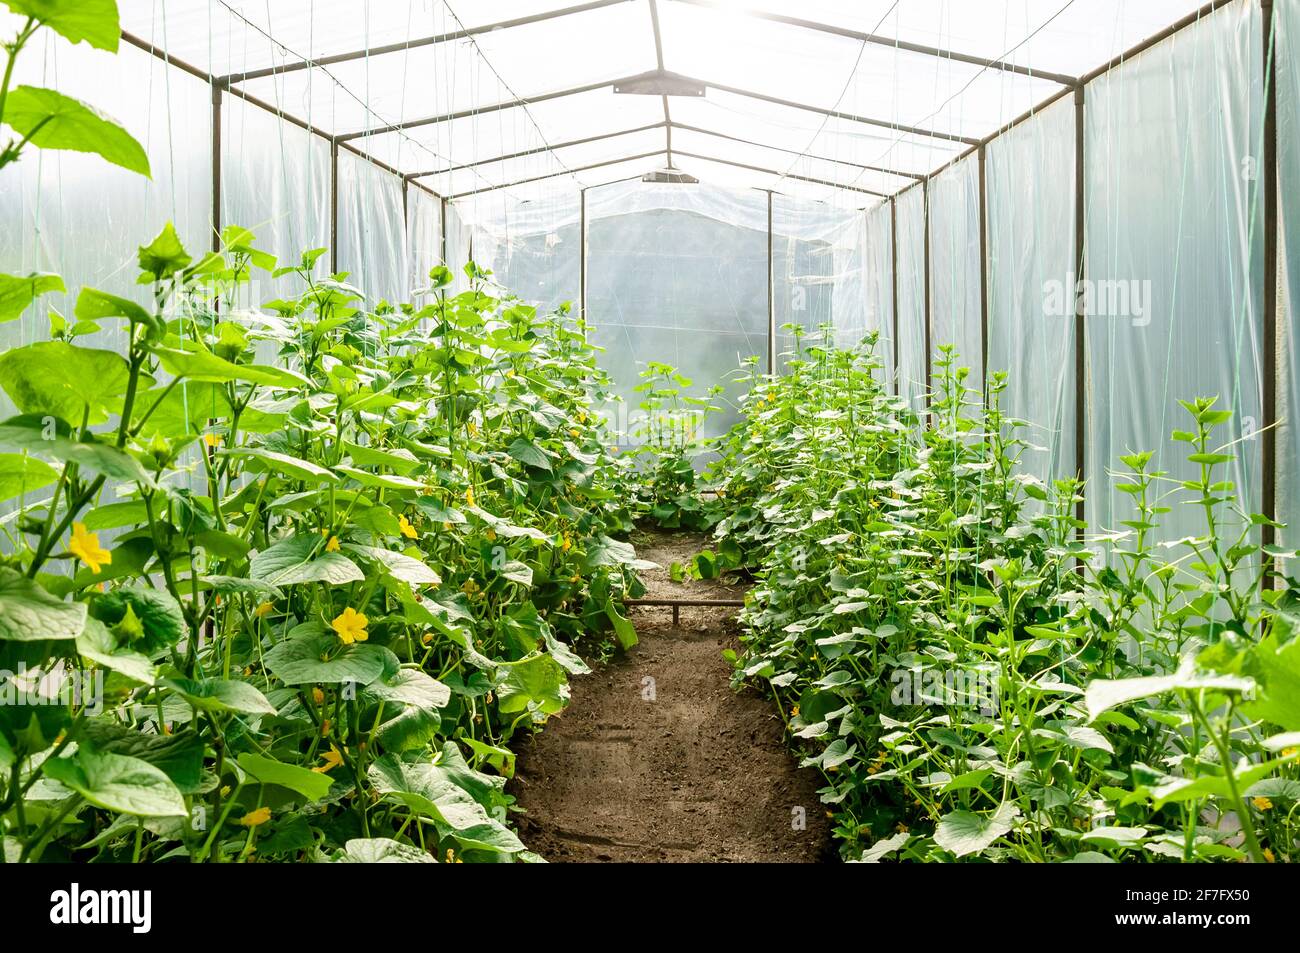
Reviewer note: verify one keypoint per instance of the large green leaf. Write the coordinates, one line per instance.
(21, 474)
(30, 614)
(164, 256)
(1279, 675)
(411, 687)
(965, 832)
(270, 461)
(35, 434)
(221, 695)
(380, 850)
(312, 785)
(94, 21)
(398, 565)
(63, 380)
(319, 658)
(536, 683)
(300, 559)
(197, 363)
(431, 791)
(179, 756)
(97, 643)
(55, 121)
(118, 783)
(1103, 694)
(17, 292)
(93, 305)
(159, 614)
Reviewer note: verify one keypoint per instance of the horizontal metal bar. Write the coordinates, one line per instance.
(893, 43)
(479, 110)
(335, 58)
(839, 114)
(1192, 18)
(914, 176)
(554, 175)
(537, 149)
(687, 603)
(784, 175)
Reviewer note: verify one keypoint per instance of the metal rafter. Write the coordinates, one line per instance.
(892, 43)
(659, 60)
(884, 170)
(449, 36)
(610, 83)
(784, 175)
(585, 140)
(556, 175)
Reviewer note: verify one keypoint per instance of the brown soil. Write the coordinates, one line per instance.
(657, 759)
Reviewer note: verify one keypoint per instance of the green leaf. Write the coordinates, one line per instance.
(94, 305)
(30, 614)
(387, 481)
(398, 565)
(21, 474)
(271, 462)
(160, 615)
(179, 756)
(964, 832)
(221, 695)
(536, 683)
(319, 658)
(97, 643)
(1279, 675)
(528, 453)
(411, 687)
(16, 293)
(437, 792)
(624, 630)
(94, 21)
(55, 121)
(195, 362)
(1104, 694)
(301, 558)
(164, 256)
(118, 783)
(63, 380)
(312, 785)
(380, 850)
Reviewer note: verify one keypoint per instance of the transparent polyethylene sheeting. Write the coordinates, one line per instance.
(275, 180)
(955, 267)
(77, 216)
(371, 239)
(680, 288)
(911, 296)
(423, 236)
(543, 267)
(1174, 228)
(878, 270)
(1031, 252)
(1287, 52)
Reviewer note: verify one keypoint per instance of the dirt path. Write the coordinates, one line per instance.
(657, 759)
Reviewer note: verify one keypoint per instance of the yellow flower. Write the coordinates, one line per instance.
(1262, 803)
(510, 373)
(469, 587)
(574, 433)
(351, 626)
(256, 818)
(794, 712)
(85, 546)
(325, 728)
(333, 545)
(317, 695)
(446, 524)
(901, 828)
(406, 528)
(1268, 855)
(565, 544)
(469, 495)
(211, 439)
(263, 610)
(1289, 752)
(332, 759)
(471, 427)
(492, 536)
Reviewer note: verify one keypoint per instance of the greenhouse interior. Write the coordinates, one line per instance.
(439, 431)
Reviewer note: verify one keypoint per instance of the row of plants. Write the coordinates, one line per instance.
(975, 672)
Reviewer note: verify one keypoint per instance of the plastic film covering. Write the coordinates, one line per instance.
(76, 215)
(1287, 51)
(955, 267)
(1031, 258)
(911, 296)
(817, 281)
(371, 239)
(1174, 258)
(539, 250)
(878, 274)
(423, 235)
(673, 281)
(275, 180)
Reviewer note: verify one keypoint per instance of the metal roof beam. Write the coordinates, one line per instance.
(536, 151)
(785, 175)
(884, 170)
(461, 34)
(894, 43)
(555, 175)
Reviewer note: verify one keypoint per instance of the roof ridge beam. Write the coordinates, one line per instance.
(892, 42)
(335, 58)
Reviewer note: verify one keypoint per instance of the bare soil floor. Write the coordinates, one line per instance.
(657, 759)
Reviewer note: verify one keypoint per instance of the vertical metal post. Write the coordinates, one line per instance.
(334, 206)
(442, 232)
(925, 191)
(771, 293)
(1272, 264)
(893, 244)
(582, 258)
(1081, 409)
(216, 166)
(984, 271)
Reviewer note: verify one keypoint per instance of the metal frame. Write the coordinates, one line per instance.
(771, 291)
(1272, 264)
